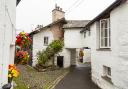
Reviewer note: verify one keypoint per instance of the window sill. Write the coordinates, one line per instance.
(104, 49)
(45, 44)
(107, 79)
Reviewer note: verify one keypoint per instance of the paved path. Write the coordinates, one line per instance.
(78, 78)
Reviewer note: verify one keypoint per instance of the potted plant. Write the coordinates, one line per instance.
(12, 73)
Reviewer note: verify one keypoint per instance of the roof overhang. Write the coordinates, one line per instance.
(59, 21)
(17, 2)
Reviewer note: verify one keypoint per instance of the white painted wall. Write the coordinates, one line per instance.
(87, 55)
(119, 18)
(117, 57)
(67, 57)
(86, 41)
(72, 38)
(7, 37)
(38, 42)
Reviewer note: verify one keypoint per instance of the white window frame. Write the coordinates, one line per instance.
(47, 38)
(106, 71)
(108, 34)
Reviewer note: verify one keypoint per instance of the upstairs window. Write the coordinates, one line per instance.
(105, 33)
(45, 40)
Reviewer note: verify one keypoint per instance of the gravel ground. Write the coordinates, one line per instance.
(38, 80)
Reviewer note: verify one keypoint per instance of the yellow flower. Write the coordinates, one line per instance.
(22, 33)
(9, 75)
(14, 71)
(15, 75)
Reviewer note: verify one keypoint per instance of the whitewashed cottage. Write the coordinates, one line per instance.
(109, 46)
(7, 37)
(73, 43)
(68, 30)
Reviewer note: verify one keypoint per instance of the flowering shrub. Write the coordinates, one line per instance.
(12, 72)
(22, 57)
(23, 40)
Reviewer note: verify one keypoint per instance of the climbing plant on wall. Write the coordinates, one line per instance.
(45, 55)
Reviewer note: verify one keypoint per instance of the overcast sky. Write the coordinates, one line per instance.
(33, 12)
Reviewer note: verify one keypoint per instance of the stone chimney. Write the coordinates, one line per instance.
(57, 13)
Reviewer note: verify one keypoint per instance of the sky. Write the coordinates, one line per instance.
(31, 13)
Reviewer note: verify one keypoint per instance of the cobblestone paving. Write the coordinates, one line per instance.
(38, 80)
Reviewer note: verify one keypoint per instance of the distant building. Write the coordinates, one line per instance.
(68, 30)
(7, 37)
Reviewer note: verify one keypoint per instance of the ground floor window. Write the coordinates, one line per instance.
(107, 71)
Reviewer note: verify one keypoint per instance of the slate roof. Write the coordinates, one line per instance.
(105, 12)
(75, 24)
(62, 20)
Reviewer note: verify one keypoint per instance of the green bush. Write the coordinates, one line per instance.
(45, 55)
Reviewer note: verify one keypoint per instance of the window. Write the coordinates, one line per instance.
(105, 33)
(107, 71)
(45, 40)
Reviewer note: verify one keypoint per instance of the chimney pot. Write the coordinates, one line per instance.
(60, 9)
(57, 8)
(57, 13)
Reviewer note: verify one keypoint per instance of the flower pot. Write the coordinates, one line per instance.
(7, 86)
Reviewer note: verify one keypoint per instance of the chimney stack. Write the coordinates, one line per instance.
(57, 13)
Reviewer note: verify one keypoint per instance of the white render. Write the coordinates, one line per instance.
(117, 58)
(73, 41)
(38, 42)
(7, 37)
(72, 38)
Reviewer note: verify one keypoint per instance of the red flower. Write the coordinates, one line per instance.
(18, 40)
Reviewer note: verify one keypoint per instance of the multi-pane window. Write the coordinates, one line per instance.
(45, 40)
(105, 33)
(107, 71)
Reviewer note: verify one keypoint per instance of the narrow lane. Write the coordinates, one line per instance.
(78, 78)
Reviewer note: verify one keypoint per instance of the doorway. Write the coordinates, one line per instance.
(60, 60)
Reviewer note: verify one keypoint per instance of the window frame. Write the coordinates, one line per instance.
(107, 71)
(102, 34)
(46, 39)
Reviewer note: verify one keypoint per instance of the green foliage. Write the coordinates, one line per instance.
(20, 84)
(53, 48)
(42, 57)
(56, 46)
